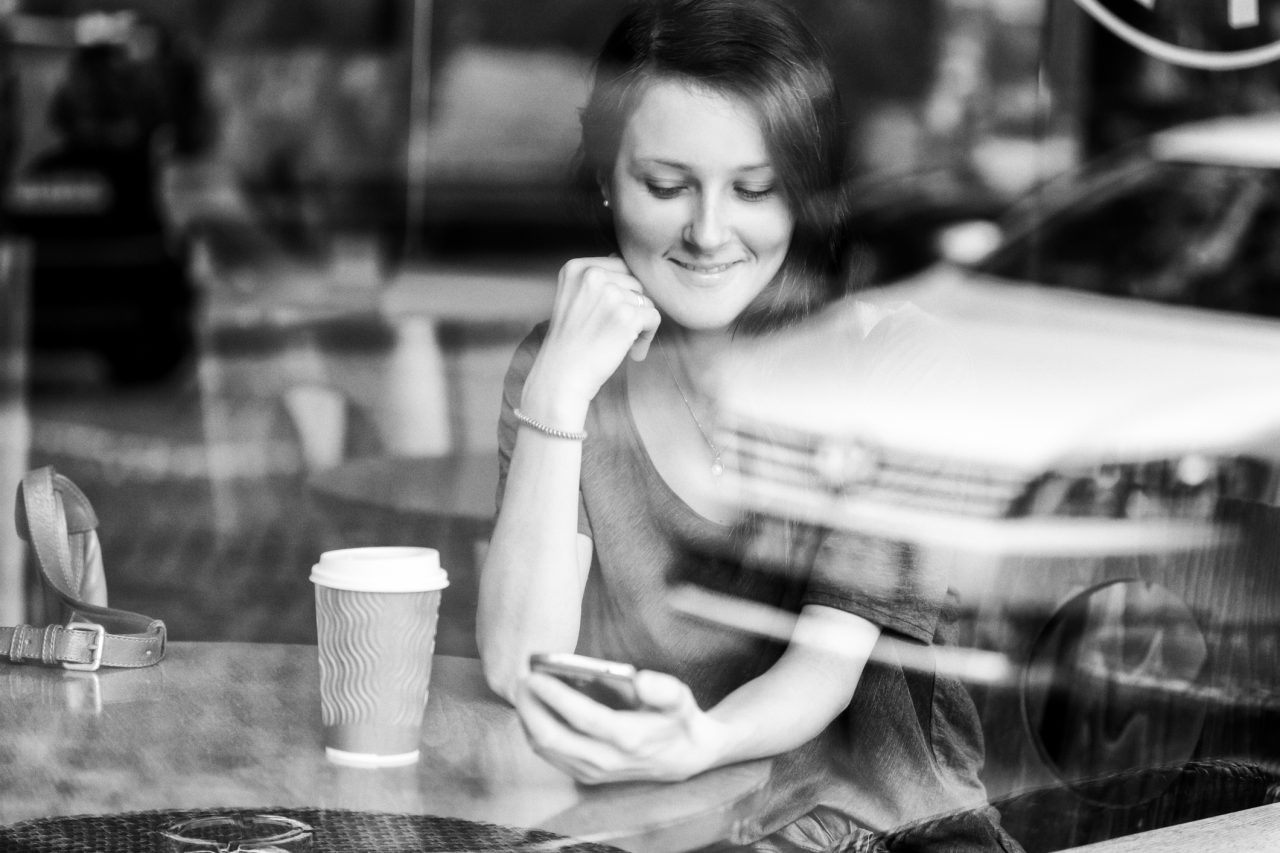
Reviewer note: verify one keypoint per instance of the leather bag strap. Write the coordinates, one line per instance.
(50, 509)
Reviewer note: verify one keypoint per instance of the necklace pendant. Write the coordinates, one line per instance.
(717, 467)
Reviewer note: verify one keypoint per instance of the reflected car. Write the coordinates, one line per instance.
(1082, 429)
(1105, 377)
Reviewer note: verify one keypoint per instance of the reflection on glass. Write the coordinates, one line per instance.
(1122, 663)
(1181, 233)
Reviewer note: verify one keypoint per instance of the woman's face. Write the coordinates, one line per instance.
(698, 212)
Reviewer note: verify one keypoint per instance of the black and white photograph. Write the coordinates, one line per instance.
(639, 426)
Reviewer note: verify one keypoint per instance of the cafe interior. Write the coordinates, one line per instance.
(274, 321)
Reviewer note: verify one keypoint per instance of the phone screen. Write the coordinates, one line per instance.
(609, 683)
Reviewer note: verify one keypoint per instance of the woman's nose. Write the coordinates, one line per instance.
(708, 226)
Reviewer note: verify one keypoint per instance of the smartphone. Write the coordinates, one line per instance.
(607, 682)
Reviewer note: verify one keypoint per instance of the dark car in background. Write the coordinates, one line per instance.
(1190, 217)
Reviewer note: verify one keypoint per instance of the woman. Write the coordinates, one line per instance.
(713, 140)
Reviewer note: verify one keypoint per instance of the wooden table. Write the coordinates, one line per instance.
(238, 725)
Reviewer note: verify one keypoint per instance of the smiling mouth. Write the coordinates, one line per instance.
(704, 269)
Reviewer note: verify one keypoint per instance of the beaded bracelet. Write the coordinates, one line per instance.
(546, 430)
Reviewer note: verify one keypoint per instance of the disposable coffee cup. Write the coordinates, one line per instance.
(376, 612)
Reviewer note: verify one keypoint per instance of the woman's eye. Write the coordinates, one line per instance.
(755, 193)
(664, 190)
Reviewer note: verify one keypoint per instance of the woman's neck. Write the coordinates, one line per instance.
(697, 353)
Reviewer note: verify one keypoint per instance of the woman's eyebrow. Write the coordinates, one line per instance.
(659, 161)
(685, 167)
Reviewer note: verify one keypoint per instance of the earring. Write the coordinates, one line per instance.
(606, 202)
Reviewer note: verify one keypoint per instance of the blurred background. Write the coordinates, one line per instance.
(263, 262)
(259, 240)
(248, 243)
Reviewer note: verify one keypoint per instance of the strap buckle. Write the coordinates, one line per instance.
(99, 642)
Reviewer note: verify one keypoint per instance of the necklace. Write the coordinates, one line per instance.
(717, 466)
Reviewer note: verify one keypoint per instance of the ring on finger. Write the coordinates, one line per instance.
(641, 300)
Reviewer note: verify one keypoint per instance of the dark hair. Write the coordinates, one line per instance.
(760, 52)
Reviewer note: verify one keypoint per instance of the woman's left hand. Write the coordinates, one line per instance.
(669, 739)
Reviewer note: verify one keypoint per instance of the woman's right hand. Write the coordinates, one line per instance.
(600, 315)
(669, 738)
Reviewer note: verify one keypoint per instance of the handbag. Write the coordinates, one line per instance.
(58, 523)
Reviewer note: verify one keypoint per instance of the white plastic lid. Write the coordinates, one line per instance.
(381, 569)
(369, 760)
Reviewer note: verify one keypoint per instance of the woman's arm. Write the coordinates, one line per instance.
(536, 567)
(808, 687)
(787, 706)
